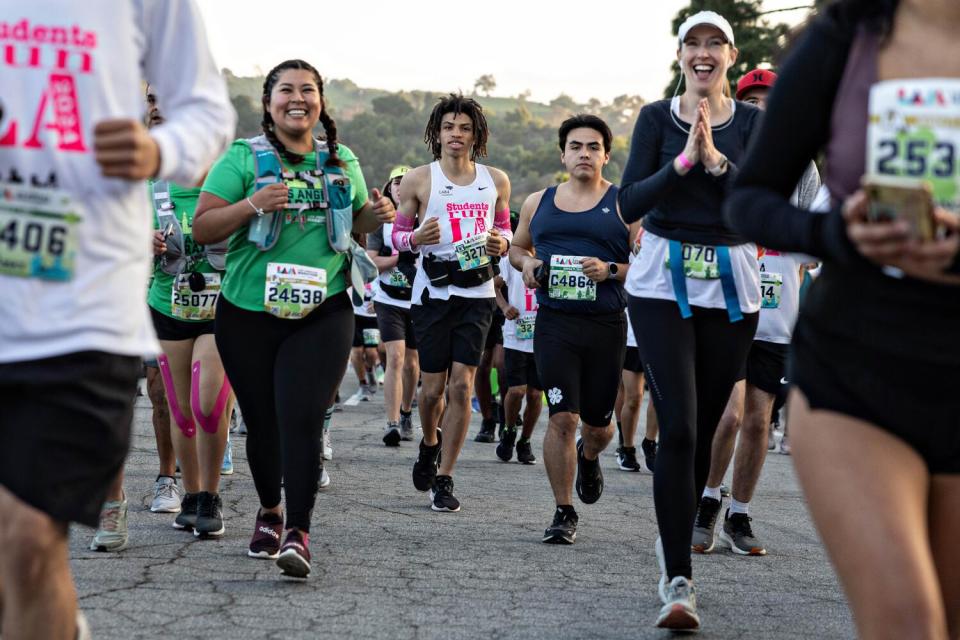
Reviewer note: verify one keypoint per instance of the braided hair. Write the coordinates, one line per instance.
(267, 124)
(456, 104)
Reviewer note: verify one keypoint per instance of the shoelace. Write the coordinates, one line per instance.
(110, 519)
(706, 516)
(678, 590)
(165, 491)
(741, 525)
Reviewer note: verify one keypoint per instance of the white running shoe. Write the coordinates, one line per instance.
(324, 479)
(167, 495)
(327, 447)
(112, 533)
(679, 612)
(662, 563)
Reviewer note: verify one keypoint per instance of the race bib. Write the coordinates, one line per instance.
(770, 286)
(195, 305)
(699, 262)
(524, 326)
(397, 279)
(38, 233)
(567, 281)
(472, 252)
(292, 290)
(914, 132)
(371, 337)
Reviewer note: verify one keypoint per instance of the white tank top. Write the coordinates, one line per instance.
(462, 212)
(518, 334)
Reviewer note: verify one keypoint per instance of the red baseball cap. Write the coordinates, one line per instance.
(756, 78)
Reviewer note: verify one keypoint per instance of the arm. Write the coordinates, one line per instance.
(598, 270)
(498, 241)
(407, 213)
(374, 248)
(521, 249)
(644, 181)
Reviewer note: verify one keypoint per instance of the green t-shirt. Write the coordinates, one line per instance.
(160, 294)
(303, 241)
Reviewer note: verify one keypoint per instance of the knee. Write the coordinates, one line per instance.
(430, 394)
(395, 360)
(753, 426)
(564, 425)
(31, 541)
(515, 394)
(679, 437)
(631, 402)
(460, 389)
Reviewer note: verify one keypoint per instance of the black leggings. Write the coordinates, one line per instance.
(285, 374)
(691, 366)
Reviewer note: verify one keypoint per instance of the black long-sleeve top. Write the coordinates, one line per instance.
(685, 208)
(852, 298)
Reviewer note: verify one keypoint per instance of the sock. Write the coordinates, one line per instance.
(523, 440)
(739, 507)
(712, 492)
(566, 508)
(327, 418)
(620, 433)
(406, 413)
(646, 440)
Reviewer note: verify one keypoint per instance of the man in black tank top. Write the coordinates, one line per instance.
(573, 245)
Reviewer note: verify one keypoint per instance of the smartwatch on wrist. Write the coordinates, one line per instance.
(612, 270)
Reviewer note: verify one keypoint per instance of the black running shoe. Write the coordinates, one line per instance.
(627, 459)
(564, 527)
(525, 453)
(589, 477)
(187, 518)
(488, 431)
(704, 537)
(209, 515)
(649, 448)
(441, 495)
(425, 468)
(391, 434)
(505, 448)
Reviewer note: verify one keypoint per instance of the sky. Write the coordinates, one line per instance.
(595, 49)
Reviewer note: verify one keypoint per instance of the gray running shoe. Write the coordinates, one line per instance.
(679, 612)
(166, 496)
(112, 533)
(564, 527)
(703, 527)
(324, 479)
(391, 435)
(406, 426)
(327, 447)
(187, 518)
(737, 534)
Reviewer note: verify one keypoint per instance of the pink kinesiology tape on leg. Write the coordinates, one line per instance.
(186, 425)
(209, 423)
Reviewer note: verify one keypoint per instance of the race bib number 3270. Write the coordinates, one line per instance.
(292, 290)
(38, 233)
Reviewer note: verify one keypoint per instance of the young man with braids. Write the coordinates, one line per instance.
(284, 319)
(464, 215)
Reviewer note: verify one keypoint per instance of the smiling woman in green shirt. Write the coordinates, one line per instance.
(284, 320)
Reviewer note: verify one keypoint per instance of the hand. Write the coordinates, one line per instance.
(427, 233)
(496, 244)
(124, 149)
(529, 267)
(709, 155)
(383, 207)
(595, 269)
(159, 244)
(511, 313)
(692, 148)
(272, 197)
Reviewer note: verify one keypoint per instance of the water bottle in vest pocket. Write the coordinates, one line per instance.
(340, 211)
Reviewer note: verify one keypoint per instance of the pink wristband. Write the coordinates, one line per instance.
(684, 162)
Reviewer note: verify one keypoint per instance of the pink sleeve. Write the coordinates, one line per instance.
(501, 222)
(402, 235)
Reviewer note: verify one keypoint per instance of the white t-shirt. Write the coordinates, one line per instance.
(366, 310)
(392, 276)
(47, 132)
(518, 334)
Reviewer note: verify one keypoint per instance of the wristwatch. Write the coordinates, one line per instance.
(721, 168)
(613, 269)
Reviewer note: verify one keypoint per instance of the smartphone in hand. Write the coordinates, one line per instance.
(895, 198)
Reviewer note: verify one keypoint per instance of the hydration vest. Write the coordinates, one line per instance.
(174, 261)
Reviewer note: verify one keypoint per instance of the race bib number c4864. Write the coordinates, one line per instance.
(699, 262)
(38, 233)
(472, 252)
(567, 281)
(292, 290)
(187, 304)
(770, 286)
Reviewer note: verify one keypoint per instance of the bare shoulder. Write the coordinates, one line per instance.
(499, 176)
(531, 204)
(415, 181)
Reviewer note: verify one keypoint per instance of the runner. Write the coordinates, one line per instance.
(489, 404)
(288, 203)
(695, 290)
(519, 309)
(574, 247)
(765, 375)
(392, 304)
(462, 209)
(366, 338)
(75, 220)
(874, 359)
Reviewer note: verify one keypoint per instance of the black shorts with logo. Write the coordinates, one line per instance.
(365, 324)
(453, 330)
(395, 324)
(65, 430)
(579, 359)
(521, 369)
(174, 329)
(767, 366)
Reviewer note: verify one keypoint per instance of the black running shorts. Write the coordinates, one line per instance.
(365, 332)
(495, 335)
(174, 329)
(767, 366)
(65, 430)
(395, 324)
(451, 330)
(521, 369)
(579, 359)
(632, 361)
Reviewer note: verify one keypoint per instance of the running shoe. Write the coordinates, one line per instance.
(83, 627)
(662, 565)
(391, 434)
(627, 459)
(649, 448)
(703, 527)
(679, 612)
(327, 446)
(589, 477)
(112, 533)
(425, 468)
(724, 491)
(166, 495)
(209, 515)
(187, 518)
(785, 445)
(294, 559)
(505, 448)
(337, 404)
(324, 479)
(441, 495)
(525, 452)
(406, 426)
(488, 431)
(380, 374)
(564, 527)
(367, 392)
(266, 536)
(475, 404)
(771, 439)
(737, 534)
(226, 467)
